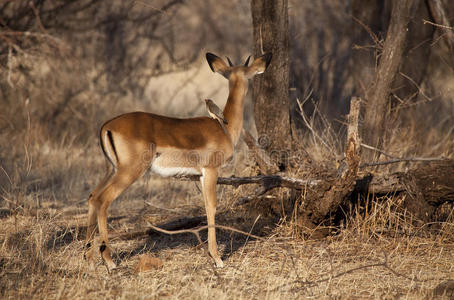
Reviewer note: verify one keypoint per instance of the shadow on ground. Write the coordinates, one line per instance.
(156, 241)
(231, 241)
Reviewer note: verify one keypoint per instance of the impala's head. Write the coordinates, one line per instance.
(258, 66)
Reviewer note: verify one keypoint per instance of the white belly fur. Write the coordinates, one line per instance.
(172, 171)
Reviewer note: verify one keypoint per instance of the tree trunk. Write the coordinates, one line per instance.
(367, 15)
(416, 54)
(270, 90)
(376, 16)
(377, 95)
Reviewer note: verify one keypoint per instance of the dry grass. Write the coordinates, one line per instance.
(377, 253)
(41, 250)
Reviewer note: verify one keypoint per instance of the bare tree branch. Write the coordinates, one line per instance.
(267, 181)
(439, 15)
(398, 160)
(195, 231)
(395, 159)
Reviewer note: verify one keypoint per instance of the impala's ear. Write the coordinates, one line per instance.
(217, 64)
(260, 64)
(247, 61)
(230, 62)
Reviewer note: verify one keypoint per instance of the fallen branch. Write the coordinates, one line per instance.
(378, 150)
(195, 231)
(377, 183)
(268, 181)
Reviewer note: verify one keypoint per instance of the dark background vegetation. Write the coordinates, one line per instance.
(73, 60)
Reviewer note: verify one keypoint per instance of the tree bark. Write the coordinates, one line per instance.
(378, 95)
(369, 19)
(264, 162)
(270, 90)
(416, 54)
(426, 187)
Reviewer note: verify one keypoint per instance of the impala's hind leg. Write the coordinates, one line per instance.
(92, 218)
(119, 182)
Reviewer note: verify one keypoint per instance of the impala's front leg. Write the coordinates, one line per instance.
(209, 179)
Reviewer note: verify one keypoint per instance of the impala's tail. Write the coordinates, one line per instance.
(108, 146)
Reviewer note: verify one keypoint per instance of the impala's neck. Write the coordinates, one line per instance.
(233, 110)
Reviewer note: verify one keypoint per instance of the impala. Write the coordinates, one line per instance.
(136, 141)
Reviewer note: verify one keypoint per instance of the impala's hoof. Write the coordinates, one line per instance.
(219, 263)
(91, 262)
(108, 262)
(106, 257)
(110, 265)
(88, 256)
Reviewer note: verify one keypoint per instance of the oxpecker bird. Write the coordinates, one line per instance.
(216, 113)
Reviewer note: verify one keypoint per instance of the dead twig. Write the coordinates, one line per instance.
(197, 230)
(259, 192)
(247, 239)
(374, 37)
(378, 150)
(10, 66)
(329, 276)
(395, 159)
(306, 122)
(441, 22)
(398, 160)
(437, 25)
(416, 85)
(38, 19)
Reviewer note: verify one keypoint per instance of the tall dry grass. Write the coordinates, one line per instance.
(378, 253)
